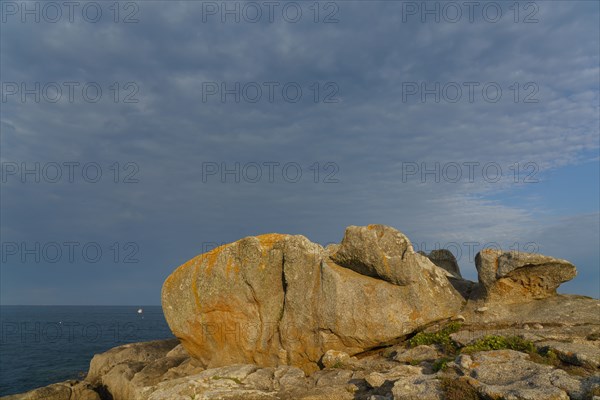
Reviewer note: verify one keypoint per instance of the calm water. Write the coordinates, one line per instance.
(40, 345)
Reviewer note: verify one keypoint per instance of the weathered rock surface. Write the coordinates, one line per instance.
(418, 354)
(510, 374)
(334, 358)
(583, 354)
(279, 317)
(560, 334)
(513, 275)
(557, 311)
(127, 371)
(444, 258)
(153, 373)
(68, 390)
(380, 252)
(141, 353)
(281, 300)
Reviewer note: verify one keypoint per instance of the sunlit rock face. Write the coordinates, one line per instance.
(282, 300)
(514, 276)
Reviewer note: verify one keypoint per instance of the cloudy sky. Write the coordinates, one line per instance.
(136, 136)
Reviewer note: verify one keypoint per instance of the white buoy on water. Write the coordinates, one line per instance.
(140, 311)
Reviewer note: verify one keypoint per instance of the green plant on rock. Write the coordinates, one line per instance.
(440, 364)
(494, 342)
(545, 356)
(441, 337)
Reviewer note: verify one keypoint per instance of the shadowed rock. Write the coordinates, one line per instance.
(444, 258)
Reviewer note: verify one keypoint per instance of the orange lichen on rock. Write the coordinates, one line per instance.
(211, 257)
(231, 265)
(269, 239)
(414, 315)
(178, 274)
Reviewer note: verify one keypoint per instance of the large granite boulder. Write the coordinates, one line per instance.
(282, 300)
(380, 252)
(514, 276)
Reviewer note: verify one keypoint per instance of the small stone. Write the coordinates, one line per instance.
(526, 327)
(459, 318)
(418, 354)
(375, 379)
(464, 361)
(481, 309)
(334, 359)
(538, 326)
(351, 388)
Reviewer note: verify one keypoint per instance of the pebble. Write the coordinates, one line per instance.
(375, 379)
(464, 361)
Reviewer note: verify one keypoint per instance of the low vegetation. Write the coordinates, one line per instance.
(440, 338)
(450, 348)
(441, 364)
(458, 389)
(494, 342)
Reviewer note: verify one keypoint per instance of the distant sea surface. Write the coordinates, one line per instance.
(40, 345)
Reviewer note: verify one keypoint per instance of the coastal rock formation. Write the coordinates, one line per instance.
(68, 390)
(397, 372)
(502, 373)
(279, 317)
(381, 252)
(282, 300)
(513, 276)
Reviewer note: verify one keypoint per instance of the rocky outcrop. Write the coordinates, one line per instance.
(381, 252)
(279, 317)
(582, 354)
(133, 353)
(399, 372)
(503, 374)
(513, 276)
(68, 390)
(283, 300)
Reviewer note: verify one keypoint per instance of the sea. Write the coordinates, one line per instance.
(40, 345)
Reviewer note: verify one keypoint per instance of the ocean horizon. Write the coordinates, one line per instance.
(41, 345)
